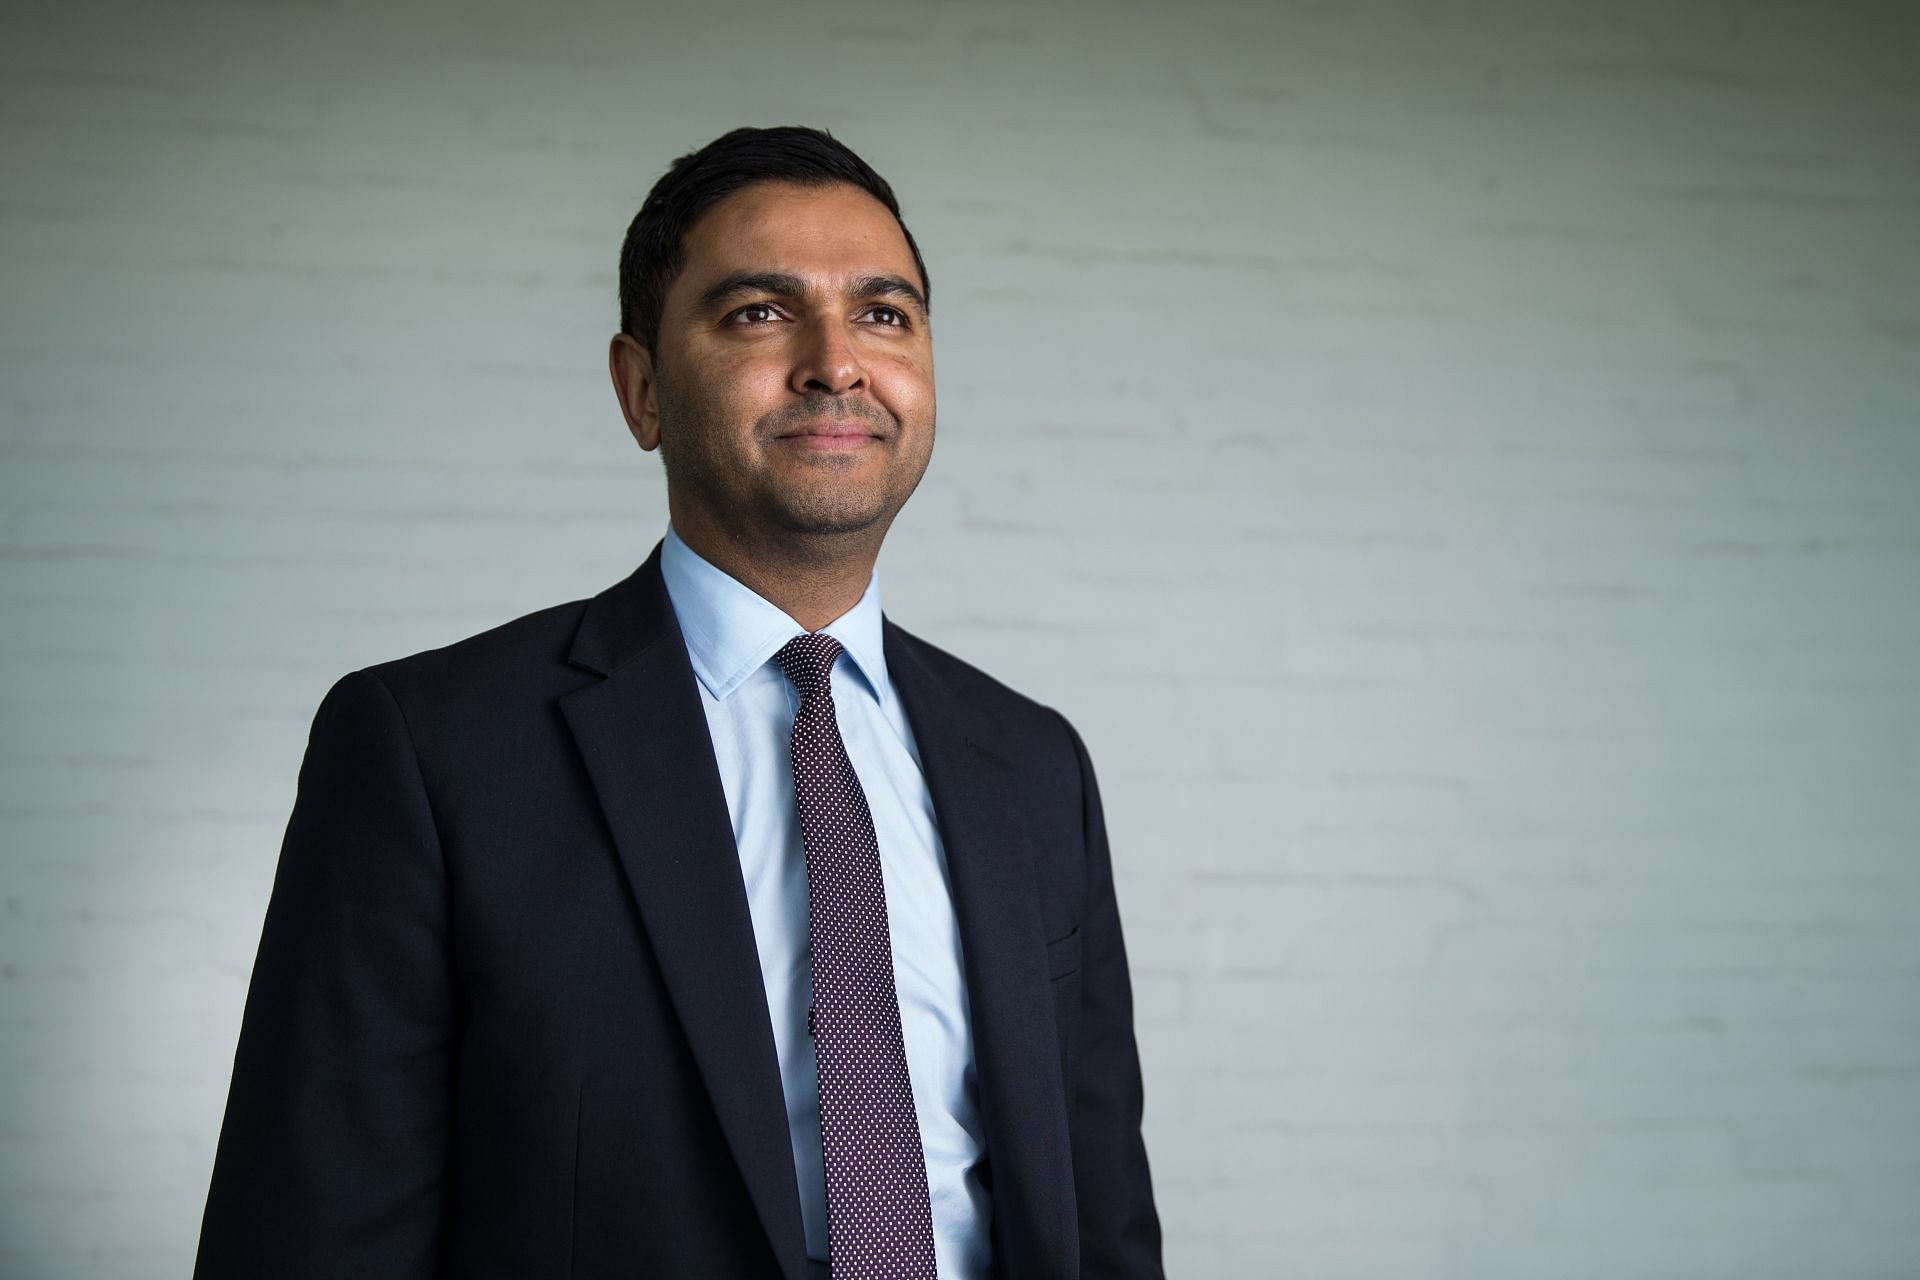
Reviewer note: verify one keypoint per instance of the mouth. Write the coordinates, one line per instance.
(830, 436)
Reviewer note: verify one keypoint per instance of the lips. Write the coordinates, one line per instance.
(830, 430)
(829, 437)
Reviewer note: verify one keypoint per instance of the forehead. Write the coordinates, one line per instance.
(828, 233)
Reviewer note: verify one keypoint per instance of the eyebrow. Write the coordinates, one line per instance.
(781, 285)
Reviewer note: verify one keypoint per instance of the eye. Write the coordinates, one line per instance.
(755, 313)
(892, 317)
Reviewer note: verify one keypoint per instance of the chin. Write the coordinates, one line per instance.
(823, 519)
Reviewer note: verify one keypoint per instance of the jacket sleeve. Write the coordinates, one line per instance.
(332, 1156)
(1119, 1229)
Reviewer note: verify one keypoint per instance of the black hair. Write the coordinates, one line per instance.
(655, 248)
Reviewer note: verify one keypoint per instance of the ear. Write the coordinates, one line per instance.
(632, 368)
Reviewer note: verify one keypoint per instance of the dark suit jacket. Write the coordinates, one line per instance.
(507, 1016)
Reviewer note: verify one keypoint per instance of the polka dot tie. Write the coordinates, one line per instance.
(879, 1220)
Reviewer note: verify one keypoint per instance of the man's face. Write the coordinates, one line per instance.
(791, 391)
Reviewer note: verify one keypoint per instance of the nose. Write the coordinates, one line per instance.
(826, 360)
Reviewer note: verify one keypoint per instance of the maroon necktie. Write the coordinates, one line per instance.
(879, 1220)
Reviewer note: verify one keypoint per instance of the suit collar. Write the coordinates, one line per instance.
(624, 621)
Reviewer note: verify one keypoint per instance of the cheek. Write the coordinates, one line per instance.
(734, 393)
(906, 386)
(752, 385)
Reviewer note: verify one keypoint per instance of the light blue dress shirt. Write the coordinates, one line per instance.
(732, 634)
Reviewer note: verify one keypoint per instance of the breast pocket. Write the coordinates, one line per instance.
(1063, 968)
(1063, 956)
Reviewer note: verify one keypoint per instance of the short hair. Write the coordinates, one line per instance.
(654, 251)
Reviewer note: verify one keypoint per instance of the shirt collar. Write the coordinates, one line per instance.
(732, 631)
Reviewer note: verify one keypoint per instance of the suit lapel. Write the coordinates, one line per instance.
(643, 735)
(978, 804)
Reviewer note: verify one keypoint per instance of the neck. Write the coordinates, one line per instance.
(812, 578)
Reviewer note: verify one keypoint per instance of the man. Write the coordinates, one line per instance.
(714, 926)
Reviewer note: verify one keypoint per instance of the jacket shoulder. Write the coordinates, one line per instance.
(544, 633)
(522, 661)
(1032, 720)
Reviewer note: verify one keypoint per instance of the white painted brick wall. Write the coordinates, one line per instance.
(1459, 465)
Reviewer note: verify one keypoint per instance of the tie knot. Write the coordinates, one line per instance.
(808, 661)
